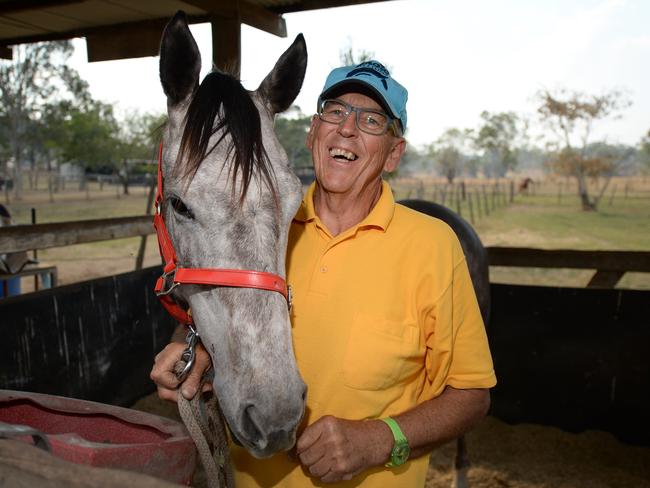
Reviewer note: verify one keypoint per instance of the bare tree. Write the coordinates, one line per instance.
(571, 116)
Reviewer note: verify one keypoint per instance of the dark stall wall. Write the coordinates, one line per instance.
(573, 358)
(94, 340)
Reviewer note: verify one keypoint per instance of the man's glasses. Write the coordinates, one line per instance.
(370, 121)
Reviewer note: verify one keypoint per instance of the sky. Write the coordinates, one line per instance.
(457, 58)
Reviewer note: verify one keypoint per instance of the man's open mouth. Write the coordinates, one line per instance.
(342, 155)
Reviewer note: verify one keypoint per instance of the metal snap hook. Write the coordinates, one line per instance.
(189, 354)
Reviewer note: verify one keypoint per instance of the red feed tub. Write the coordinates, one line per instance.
(104, 435)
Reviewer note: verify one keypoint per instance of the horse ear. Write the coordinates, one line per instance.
(180, 60)
(282, 85)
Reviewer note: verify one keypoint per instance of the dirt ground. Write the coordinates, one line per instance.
(521, 456)
(534, 456)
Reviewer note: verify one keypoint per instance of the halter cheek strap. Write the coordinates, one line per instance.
(174, 276)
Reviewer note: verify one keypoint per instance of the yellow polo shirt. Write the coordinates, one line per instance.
(384, 317)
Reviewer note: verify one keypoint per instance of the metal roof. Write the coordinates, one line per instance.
(117, 29)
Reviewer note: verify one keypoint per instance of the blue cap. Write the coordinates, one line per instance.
(375, 76)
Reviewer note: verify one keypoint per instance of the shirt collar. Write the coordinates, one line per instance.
(380, 216)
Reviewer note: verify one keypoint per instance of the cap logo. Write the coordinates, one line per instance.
(372, 68)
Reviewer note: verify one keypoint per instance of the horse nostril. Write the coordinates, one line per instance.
(249, 424)
(304, 393)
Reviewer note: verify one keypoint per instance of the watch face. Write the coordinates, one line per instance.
(400, 453)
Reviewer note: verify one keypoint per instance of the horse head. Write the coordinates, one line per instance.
(229, 197)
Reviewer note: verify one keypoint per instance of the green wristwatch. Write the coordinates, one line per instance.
(401, 450)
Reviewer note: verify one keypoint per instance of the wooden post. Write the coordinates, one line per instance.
(143, 240)
(420, 190)
(34, 252)
(611, 198)
(485, 201)
(478, 204)
(471, 210)
(226, 41)
(458, 209)
(50, 187)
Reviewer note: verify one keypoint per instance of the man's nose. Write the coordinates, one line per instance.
(348, 125)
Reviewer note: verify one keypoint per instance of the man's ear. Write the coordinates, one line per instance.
(309, 141)
(398, 146)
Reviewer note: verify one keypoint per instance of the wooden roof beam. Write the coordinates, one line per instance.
(249, 14)
(125, 41)
(13, 6)
(318, 5)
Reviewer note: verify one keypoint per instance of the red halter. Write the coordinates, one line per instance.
(174, 276)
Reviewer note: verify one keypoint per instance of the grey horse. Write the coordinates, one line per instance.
(229, 197)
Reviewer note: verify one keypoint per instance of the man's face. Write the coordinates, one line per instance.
(348, 161)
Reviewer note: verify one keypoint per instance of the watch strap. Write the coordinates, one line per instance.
(398, 435)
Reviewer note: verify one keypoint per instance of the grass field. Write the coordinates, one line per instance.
(549, 217)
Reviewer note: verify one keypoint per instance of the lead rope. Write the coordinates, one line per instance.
(205, 423)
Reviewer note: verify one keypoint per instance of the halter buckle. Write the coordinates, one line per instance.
(164, 277)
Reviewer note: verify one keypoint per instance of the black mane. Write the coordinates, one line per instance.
(221, 104)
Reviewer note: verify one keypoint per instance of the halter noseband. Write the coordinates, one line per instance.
(173, 275)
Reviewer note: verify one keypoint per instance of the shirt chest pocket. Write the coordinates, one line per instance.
(381, 353)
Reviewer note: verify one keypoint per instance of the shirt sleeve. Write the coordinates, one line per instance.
(458, 354)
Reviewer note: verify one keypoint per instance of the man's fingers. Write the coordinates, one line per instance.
(162, 372)
(166, 394)
(321, 467)
(308, 437)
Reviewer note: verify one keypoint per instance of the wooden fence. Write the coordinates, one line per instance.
(471, 199)
(610, 266)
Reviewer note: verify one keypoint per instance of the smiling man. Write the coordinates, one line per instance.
(387, 331)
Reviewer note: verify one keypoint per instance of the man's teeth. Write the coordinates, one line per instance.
(339, 153)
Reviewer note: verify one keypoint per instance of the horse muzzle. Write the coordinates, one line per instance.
(267, 431)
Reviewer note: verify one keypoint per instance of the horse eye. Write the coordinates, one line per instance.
(180, 208)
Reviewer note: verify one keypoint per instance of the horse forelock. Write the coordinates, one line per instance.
(222, 106)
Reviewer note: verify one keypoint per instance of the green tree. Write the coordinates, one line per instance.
(449, 152)
(349, 57)
(89, 137)
(137, 140)
(571, 116)
(35, 77)
(291, 128)
(496, 139)
(414, 160)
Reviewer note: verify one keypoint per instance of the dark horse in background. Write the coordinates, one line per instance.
(477, 262)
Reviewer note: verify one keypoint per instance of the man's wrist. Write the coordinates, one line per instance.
(383, 443)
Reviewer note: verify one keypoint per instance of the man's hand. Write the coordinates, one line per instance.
(334, 449)
(163, 374)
